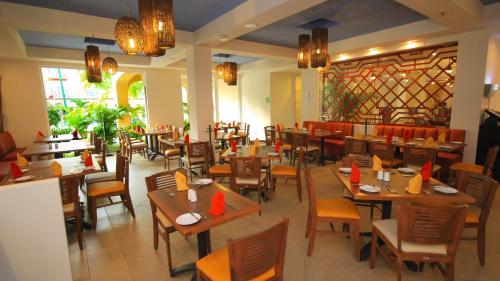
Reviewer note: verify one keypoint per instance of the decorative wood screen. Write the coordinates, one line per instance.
(414, 86)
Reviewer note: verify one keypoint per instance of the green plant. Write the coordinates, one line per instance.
(187, 127)
(79, 118)
(106, 120)
(130, 129)
(55, 111)
(135, 89)
(60, 131)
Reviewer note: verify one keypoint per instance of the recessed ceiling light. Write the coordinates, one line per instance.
(434, 54)
(343, 57)
(373, 51)
(223, 38)
(251, 25)
(410, 45)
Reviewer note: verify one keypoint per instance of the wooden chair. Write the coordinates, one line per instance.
(71, 203)
(386, 152)
(356, 147)
(196, 157)
(260, 256)
(302, 141)
(246, 176)
(101, 158)
(288, 172)
(161, 225)
(286, 139)
(270, 133)
(107, 189)
(102, 176)
(331, 210)
(485, 169)
(415, 157)
(483, 189)
(420, 234)
(217, 171)
(170, 152)
(135, 147)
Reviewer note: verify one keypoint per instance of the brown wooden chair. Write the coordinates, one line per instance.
(331, 210)
(217, 171)
(485, 169)
(270, 134)
(135, 147)
(196, 157)
(386, 152)
(102, 176)
(415, 157)
(246, 176)
(71, 203)
(101, 158)
(420, 234)
(161, 225)
(356, 147)
(107, 189)
(289, 172)
(260, 256)
(302, 141)
(483, 189)
(286, 139)
(169, 152)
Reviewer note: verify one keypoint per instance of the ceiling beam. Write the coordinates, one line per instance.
(261, 13)
(248, 48)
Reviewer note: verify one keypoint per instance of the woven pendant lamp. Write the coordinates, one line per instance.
(93, 64)
(166, 28)
(319, 47)
(304, 51)
(148, 16)
(230, 73)
(219, 70)
(109, 65)
(129, 35)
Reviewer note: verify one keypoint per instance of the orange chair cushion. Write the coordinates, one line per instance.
(471, 217)
(106, 187)
(431, 132)
(337, 208)
(397, 131)
(220, 169)
(468, 167)
(335, 141)
(419, 133)
(283, 170)
(457, 135)
(449, 156)
(387, 130)
(216, 267)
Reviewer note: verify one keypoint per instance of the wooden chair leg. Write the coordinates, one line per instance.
(373, 252)
(308, 224)
(399, 264)
(155, 233)
(78, 228)
(481, 245)
(93, 211)
(449, 271)
(169, 253)
(299, 188)
(312, 238)
(357, 240)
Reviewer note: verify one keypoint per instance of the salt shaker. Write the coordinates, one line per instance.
(387, 176)
(56, 145)
(194, 196)
(380, 175)
(50, 145)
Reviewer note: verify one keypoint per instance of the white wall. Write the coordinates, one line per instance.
(282, 98)
(310, 95)
(229, 102)
(493, 71)
(255, 88)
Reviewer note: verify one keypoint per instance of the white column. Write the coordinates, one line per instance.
(199, 78)
(310, 95)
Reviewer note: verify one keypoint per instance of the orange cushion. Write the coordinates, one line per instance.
(106, 187)
(380, 130)
(337, 208)
(333, 126)
(431, 132)
(283, 170)
(348, 129)
(449, 156)
(397, 131)
(457, 135)
(446, 133)
(471, 217)
(335, 141)
(419, 132)
(409, 130)
(469, 167)
(340, 127)
(387, 130)
(220, 169)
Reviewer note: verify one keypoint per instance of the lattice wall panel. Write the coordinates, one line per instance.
(408, 87)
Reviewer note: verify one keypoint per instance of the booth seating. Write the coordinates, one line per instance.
(8, 149)
(333, 147)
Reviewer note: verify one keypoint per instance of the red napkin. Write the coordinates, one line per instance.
(40, 134)
(217, 204)
(215, 132)
(296, 125)
(426, 171)
(354, 173)
(278, 127)
(406, 135)
(277, 146)
(233, 146)
(186, 138)
(88, 161)
(75, 134)
(15, 171)
(388, 138)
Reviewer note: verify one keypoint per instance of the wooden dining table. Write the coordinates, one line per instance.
(152, 141)
(395, 190)
(174, 203)
(37, 149)
(54, 138)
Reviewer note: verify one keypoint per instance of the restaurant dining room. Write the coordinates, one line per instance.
(295, 140)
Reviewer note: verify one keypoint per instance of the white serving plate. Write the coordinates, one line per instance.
(407, 170)
(273, 154)
(345, 170)
(369, 188)
(445, 189)
(457, 142)
(231, 153)
(188, 218)
(419, 139)
(24, 178)
(410, 143)
(204, 181)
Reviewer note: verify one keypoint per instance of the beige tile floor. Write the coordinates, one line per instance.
(122, 247)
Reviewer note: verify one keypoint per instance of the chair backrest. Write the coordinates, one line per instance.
(482, 188)
(286, 138)
(491, 156)
(69, 191)
(382, 150)
(162, 180)
(197, 150)
(245, 167)
(97, 144)
(354, 146)
(122, 169)
(363, 161)
(252, 256)
(418, 156)
(104, 153)
(311, 192)
(270, 134)
(431, 225)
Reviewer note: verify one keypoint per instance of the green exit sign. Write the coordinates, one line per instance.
(268, 99)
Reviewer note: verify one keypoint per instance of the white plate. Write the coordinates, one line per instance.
(204, 181)
(24, 178)
(457, 142)
(445, 189)
(369, 188)
(231, 153)
(410, 143)
(407, 170)
(419, 139)
(345, 170)
(188, 218)
(446, 146)
(25, 170)
(273, 154)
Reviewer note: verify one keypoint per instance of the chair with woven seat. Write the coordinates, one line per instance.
(71, 203)
(482, 188)
(485, 169)
(331, 210)
(288, 172)
(217, 171)
(302, 140)
(416, 157)
(260, 256)
(420, 234)
(107, 189)
(356, 147)
(196, 157)
(386, 152)
(270, 134)
(246, 176)
(161, 225)
(135, 147)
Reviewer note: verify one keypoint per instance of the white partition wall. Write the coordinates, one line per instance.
(33, 244)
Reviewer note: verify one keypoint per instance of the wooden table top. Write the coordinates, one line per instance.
(261, 151)
(64, 147)
(59, 138)
(41, 169)
(177, 142)
(173, 206)
(399, 182)
(326, 133)
(416, 142)
(156, 132)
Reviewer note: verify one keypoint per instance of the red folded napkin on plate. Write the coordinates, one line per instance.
(88, 161)
(388, 138)
(233, 146)
(355, 174)
(186, 138)
(406, 135)
(217, 204)
(15, 171)
(296, 125)
(277, 146)
(426, 171)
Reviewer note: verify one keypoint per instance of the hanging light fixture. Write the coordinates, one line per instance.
(230, 73)
(109, 65)
(327, 66)
(148, 16)
(166, 28)
(304, 51)
(93, 64)
(219, 70)
(319, 47)
(129, 35)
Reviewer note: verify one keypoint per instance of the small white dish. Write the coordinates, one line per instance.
(231, 153)
(337, 131)
(410, 143)
(446, 146)
(369, 188)
(456, 142)
(445, 189)
(204, 181)
(25, 170)
(418, 139)
(188, 218)
(24, 178)
(407, 170)
(345, 170)
(273, 154)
